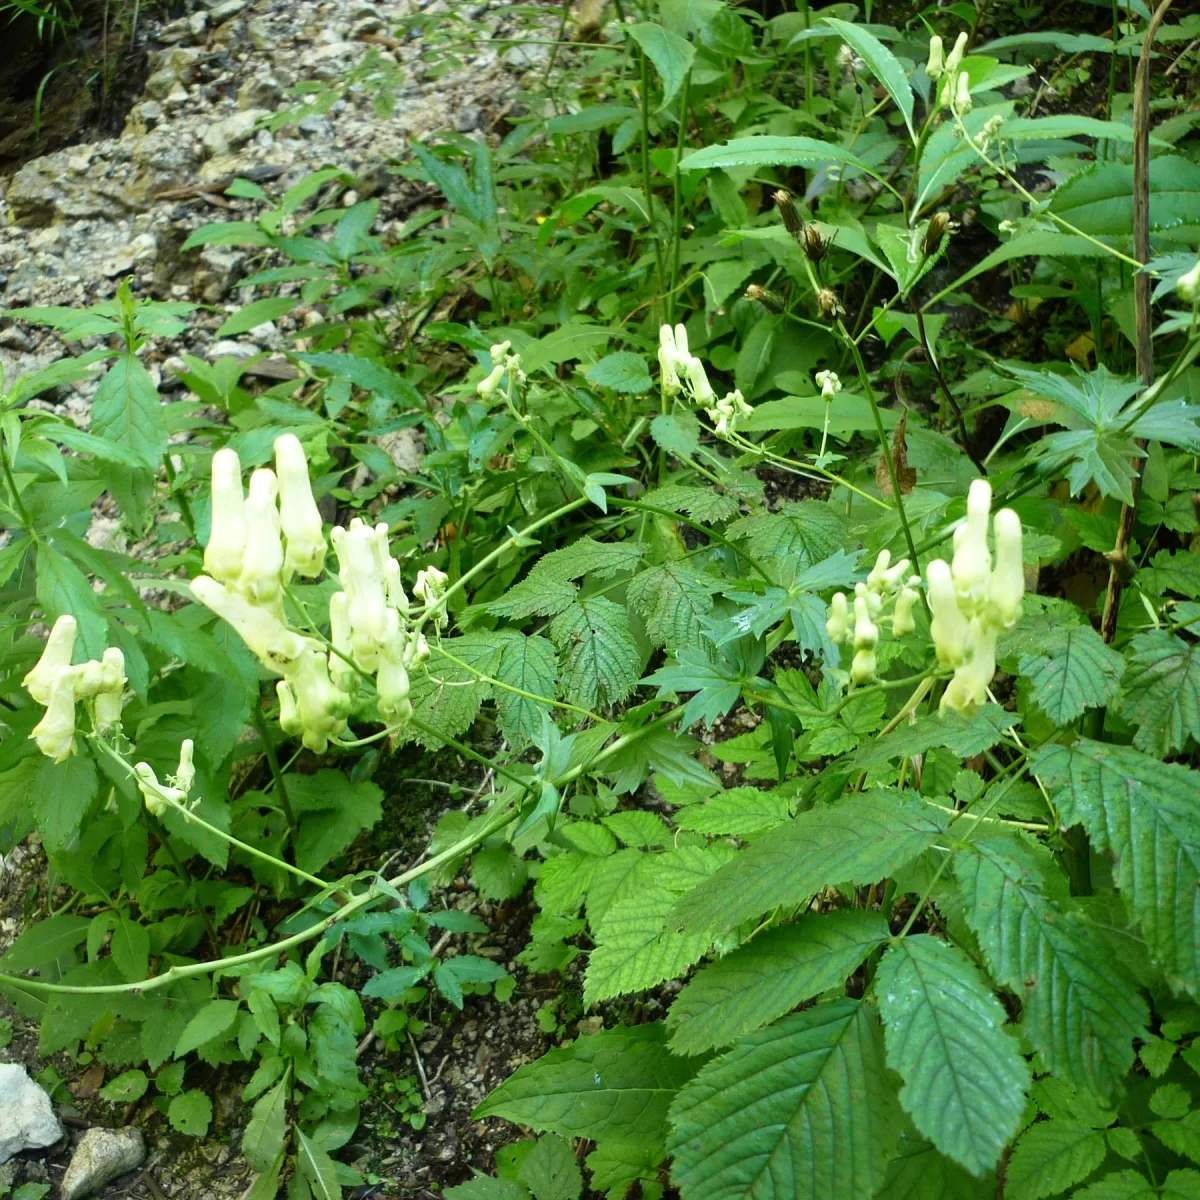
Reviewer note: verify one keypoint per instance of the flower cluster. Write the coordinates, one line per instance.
(885, 584)
(954, 92)
(259, 541)
(683, 370)
(58, 685)
(505, 362)
(971, 602)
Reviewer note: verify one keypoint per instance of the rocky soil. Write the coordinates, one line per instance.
(77, 222)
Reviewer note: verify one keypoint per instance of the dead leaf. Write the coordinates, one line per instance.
(906, 476)
(1081, 349)
(89, 1083)
(1035, 408)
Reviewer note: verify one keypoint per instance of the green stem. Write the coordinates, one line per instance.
(645, 113)
(18, 504)
(260, 723)
(185, 508)
(677, 215)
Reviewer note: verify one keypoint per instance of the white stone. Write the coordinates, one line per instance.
(102, 1155)
(27, 1120)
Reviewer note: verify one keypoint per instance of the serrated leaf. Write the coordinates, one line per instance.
(1073, 670)
(674, 599)
(623, 372)
(767, 150)
(881, 62)
(1162, 692)
(862, 839)
(262, 1142)
(45, 942)
(671, 55)
(964, 1077)
(550, 1170)
(128, 410)
(634, 948)
(1081, 1011)
(615, 1085)
(1145, 813)
(130, 948)
(804, 533)
(637, 828)
(1129, 1185)
(601, 662)
(738, 812)
(702, 503)
(1050, 1157)
(447, 696)
(771, 975)
(802, 1109)
(528, 663)
(919, 1172)
(1182, 1135)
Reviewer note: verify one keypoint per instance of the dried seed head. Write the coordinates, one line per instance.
(938, 225)
(788, 214)
(760, 295)
(814, 244)
(828, 303)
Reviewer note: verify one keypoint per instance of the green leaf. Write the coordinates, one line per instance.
(498, 873)
(63, 588)
(600, 658)
(227, 233)
(332, 812)
(738, 812)
(550, 1170)
(860, 840)
(45, 942)
(130, 948)
(615, 1085)
(262, 1142)
(803, 1109)
(466, 968)
(1162, 692)
(881, 62)
(213, 1020)
(769, 150)
(624, 372)
(256, 313)
(671, 55)
(1081, 1010)
(634, 948)
(1099, 200)
(318, 1168)
(1144, 813)
(804, 533)
(964, 1077)
(126, 1087)
(674, 599)
(484, 1187)
(1182, 1135)
(1071, 671)
(127, 410)
(367, 374)
(1050, 1157)
(919, 1172)
(771, 975)
(191, 1113)
(528, 663)
(566, 343)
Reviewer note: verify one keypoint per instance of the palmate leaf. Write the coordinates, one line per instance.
(859, 840)
(600, 659)
(803, 533)
(1147, 815)
(964, 1077)
(1081, 1010)
(611, 1086)
(634, 949)
(1162, 692)
(674, 599)
(1071, 670)
(446, 696)
(770, 976)
(802, 1110)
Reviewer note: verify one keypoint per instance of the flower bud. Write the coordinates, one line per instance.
(1007, 584)
(486, 387)
(759, 295)
(948, 626)
(828, 303)
(972, 561)
(962, 95)
(262, 564)
(866, 632)
(702, 392)
(838, 625)
(1187, 287)
(814, 244)
(269, 640)
(788, 214)
(682, 352)
(360, 568)
(873, 600)
(875, 580)
(863, 668)
(902, 618)
(55, 732)
(60, 646)
(668, 361)
(937, 58)
(416, 650)
(955, 57)
(935, 232)
(227, 539)
(298, 515)
(829, 383)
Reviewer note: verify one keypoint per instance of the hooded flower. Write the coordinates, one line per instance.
(60, 646)
(298, 516)
(227, 541)
(262, 564)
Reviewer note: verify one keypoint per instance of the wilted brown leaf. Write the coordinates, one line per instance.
(89, 1083)
(906, 476)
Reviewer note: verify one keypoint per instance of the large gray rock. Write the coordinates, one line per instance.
(102, 1155)
(27, 1120)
